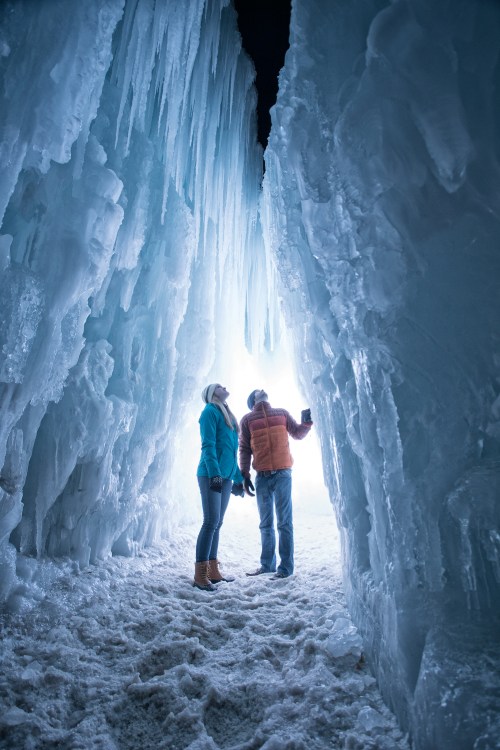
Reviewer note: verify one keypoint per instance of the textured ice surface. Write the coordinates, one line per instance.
(381, 207)
(129, 172)
(127, 655)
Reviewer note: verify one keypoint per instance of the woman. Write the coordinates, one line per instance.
(217, 471)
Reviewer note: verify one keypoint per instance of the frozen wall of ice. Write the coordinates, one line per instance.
(382, 209)
(129, 171)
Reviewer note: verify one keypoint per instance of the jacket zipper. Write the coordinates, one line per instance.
(270, 442)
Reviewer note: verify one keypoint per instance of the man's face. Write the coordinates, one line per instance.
(261, 396)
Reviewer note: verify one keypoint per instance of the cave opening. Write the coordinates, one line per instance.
(265, 28)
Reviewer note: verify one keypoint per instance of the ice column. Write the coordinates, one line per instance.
(129, 174)
(381, 211)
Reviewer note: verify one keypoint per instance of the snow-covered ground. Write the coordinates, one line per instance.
(127, 654)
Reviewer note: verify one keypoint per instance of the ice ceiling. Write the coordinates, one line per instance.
(138, 250)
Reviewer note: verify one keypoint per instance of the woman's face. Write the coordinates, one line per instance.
(221, 393)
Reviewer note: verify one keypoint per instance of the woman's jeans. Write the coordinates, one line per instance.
(214, 507)
(275, 490)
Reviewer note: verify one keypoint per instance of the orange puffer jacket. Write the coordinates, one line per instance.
(264, 433)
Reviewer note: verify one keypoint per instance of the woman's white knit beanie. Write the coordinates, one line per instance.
(207, 393)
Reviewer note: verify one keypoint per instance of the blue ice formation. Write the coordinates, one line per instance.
(136, 244)
(129, 167)
(382, 210)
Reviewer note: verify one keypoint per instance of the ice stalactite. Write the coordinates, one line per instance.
(381, 209)
(130, 171)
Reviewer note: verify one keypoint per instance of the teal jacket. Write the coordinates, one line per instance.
(219, 446)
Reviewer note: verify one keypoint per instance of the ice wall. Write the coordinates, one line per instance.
(129, 173)
(382, 209)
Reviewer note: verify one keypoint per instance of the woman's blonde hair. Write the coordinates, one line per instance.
(208, 397)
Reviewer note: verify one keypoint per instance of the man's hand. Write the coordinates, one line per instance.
(249, 486)
(216, 484)
(237, 489)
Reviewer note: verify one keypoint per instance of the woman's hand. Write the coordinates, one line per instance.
(215, 484)
(237, 489)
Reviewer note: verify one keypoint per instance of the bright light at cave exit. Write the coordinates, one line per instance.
(241, 374)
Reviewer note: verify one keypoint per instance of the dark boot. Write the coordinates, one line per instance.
(260, 571)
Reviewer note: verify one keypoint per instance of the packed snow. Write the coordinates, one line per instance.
(127, 654)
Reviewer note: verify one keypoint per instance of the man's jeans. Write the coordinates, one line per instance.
(275, 490)
(214, 506)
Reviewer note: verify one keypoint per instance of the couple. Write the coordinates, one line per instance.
(263, 433)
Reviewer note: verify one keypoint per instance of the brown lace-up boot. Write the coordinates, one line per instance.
(201, 579)
(215, 574)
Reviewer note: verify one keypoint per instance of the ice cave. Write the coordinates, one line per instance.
(149, 245)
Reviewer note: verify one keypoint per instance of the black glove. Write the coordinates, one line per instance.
(305, 416)
(216, 484)
(237, 489)
(249, 486)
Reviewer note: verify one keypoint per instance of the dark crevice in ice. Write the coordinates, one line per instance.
(264, 27)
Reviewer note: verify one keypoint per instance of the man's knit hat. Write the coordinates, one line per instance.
(251, 399)
(207, 393)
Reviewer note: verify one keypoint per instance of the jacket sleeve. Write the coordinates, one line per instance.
(237, 476)
(208, 431)
(296, 430)
(245, 448)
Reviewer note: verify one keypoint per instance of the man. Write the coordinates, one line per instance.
(264, 435)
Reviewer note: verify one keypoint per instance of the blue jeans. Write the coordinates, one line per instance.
(214, 506)
(273, 491)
